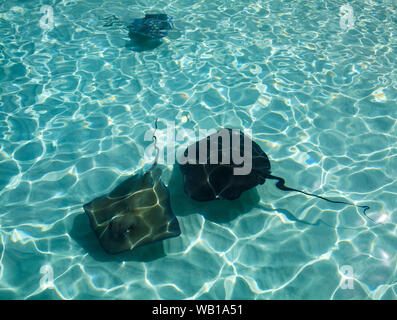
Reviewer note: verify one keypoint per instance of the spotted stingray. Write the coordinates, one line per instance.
(210, 168)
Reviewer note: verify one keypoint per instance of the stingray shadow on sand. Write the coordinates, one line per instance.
(142, 43)
(216, 211)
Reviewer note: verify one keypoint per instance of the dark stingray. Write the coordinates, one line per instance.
(136, 212)
(216, 178)
(145, 33)
(152, 26)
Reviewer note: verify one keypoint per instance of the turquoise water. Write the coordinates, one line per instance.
(77, 100)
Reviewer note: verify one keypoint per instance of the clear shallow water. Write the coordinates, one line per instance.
(321, 102)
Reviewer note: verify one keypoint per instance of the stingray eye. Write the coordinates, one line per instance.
(113, 226)
(115, 229)
(130, 228)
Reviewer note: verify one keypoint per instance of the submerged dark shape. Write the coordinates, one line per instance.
(152, 26)
(136, 212)
(227, 163)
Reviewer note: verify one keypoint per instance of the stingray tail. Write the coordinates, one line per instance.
(281, 185)
(155, 143)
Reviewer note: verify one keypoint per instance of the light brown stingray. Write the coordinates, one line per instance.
(136, 212)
